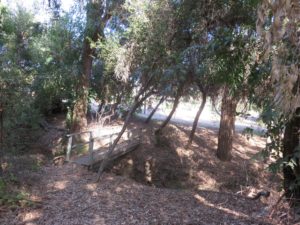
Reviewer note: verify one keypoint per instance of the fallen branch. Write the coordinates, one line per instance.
(274, 207)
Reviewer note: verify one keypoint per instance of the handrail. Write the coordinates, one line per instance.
(83, 132)
(105, 136)
(81, 144)
(70, 145)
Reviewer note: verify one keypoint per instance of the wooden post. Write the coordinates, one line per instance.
(110, 141)
(91, 147)
(69, 148)
(106, 157)
(140, 135)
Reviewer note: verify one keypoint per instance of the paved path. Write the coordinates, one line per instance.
(186, 112)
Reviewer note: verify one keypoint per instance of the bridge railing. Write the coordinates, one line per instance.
(129, 134)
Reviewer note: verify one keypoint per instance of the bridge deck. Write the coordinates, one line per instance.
(100, 153)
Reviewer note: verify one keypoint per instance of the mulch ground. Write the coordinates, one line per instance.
(69, 195)
(184, 186)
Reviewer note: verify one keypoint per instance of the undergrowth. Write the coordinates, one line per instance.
(12, 199)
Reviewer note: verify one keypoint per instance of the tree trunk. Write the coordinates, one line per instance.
(1, 138)
(195, 123)
(155, 109)
(227, 126)
(80, 107)
(137, 103)
(176, 102)
(101, 105)
(115, 105)
(1, 125)
(291, 174)
(94, 28)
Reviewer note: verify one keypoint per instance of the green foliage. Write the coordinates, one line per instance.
(58, 54)
(248, 132)
(275, 124)
(16, 77)
(11, 199)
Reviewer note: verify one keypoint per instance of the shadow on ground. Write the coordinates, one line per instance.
(163, 161)
(70, 196)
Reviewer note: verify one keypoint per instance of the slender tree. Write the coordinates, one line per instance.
(138, 100)
(162, 99)
(195, 123)
(175, 105)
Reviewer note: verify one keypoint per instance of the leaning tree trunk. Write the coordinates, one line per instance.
(291, 174)
(137, 102)
(176, 102)
(227, 126)
(155, 109)
(195, 123)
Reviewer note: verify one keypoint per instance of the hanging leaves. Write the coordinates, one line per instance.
(278, 26)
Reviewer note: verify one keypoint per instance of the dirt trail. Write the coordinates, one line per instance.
(70, 196)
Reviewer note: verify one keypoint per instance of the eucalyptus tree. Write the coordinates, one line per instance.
(232, 49)
(162, 99)
(278, 26)
(137, 60)
(98, 13)
(109, 84)
(182, 27)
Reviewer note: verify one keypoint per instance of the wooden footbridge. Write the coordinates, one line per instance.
(84, 153)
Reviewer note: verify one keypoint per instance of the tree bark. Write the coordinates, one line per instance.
(1, 125)
(115, 105)
(94, 28)
(101, 105)
(195, 123)
(155, 109)
(227, 126)
(1, 138)
(291, 174)
(176, 102)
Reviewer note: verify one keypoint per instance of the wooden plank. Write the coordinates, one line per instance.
(85, 160)
(124, 151)
(100, 153)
